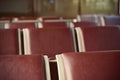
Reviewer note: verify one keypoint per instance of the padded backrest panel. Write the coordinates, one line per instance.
(93, 66)
(21, 25)
(27, 18)
(54, 24)
(6, 18)
(90, 18)
(84, 23)
(101, 38)
(9, 41)
(51, 41)
(16, 67)
(50, 18)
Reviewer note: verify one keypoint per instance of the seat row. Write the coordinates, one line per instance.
(58, 40)
(102, 65)
(82, 20)
(102, 20)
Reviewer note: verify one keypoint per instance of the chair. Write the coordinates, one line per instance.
(89, 65)
(21, 25)
(22, 67)
(98, 38)
(48, 41)
(50, 18)
(27, 18)
(52, 24)
(91, 18)
(84, 24)
(6, 18)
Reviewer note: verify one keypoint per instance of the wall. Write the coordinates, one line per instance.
(64, 8)
(16, 7)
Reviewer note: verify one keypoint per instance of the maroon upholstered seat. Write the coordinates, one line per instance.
(84, 23)
(21, 25)
(10, 41)
(50, 18)
(89, 66)
(22, 67)
(98, 38)
(27, 18)
(49, 41)
(53, 24)
(6, 18)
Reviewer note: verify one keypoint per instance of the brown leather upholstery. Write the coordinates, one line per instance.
(16, 67)
(101, 38)
(9, 41)
(51, 41)
(91, 66)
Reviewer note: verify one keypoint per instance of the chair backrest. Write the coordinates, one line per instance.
(89, 66)
(84, 24)
(112, 20)
(22, 67)
(53, 24)
(27, 18)
(98, 38)
(48, 41)
(10, 41)
(21, 25)
(50, 18)
(91, 18)
(6, 18)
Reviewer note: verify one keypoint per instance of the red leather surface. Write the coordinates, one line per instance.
(51, 41)
(8, 41)
(84, 23)
(6, 18)
(27, 18)
(18, 67)
(21, 25)
(51, 18)
(54, 24)
(101, 38)
(94, 66)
